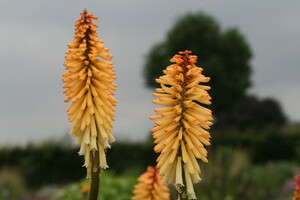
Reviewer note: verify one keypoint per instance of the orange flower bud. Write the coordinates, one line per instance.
(150, 186)
(297, 188)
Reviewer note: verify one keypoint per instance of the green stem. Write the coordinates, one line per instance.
(95, 175)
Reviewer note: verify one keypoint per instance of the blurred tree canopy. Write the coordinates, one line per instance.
(254, 112)
(224, 55)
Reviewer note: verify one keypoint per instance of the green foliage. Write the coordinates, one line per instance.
(112, 187)
(71, 192)
(224, 55)
(268, 180)
(226, 175)
(116, 187)
(11, 184)
(230, 175)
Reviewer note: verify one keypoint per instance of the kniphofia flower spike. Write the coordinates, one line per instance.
(151, 187)
(89, 84)
(180, 133)
(297, 188)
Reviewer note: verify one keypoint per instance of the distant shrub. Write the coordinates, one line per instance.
(59, 163)
(266, 145)
(44, 163)
(131, 158)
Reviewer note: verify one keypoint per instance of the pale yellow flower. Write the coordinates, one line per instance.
(150, 186)
(180, 133)
(89, 84)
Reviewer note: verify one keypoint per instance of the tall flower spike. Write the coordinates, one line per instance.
(151, 187)
(89, 84)
(180, 133)
(297, 188)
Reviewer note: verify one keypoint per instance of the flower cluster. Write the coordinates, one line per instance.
(89, 84)
(180, 133)
(151, 187)
(297, 188)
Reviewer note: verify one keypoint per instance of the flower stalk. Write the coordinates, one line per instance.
(94, 190)
(180, 132)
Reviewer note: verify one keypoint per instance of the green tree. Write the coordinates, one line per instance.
(256, 113)
(224, 55)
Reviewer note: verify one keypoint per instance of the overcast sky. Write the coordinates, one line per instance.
(34, 35)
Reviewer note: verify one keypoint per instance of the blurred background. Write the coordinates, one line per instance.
(249, 49)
